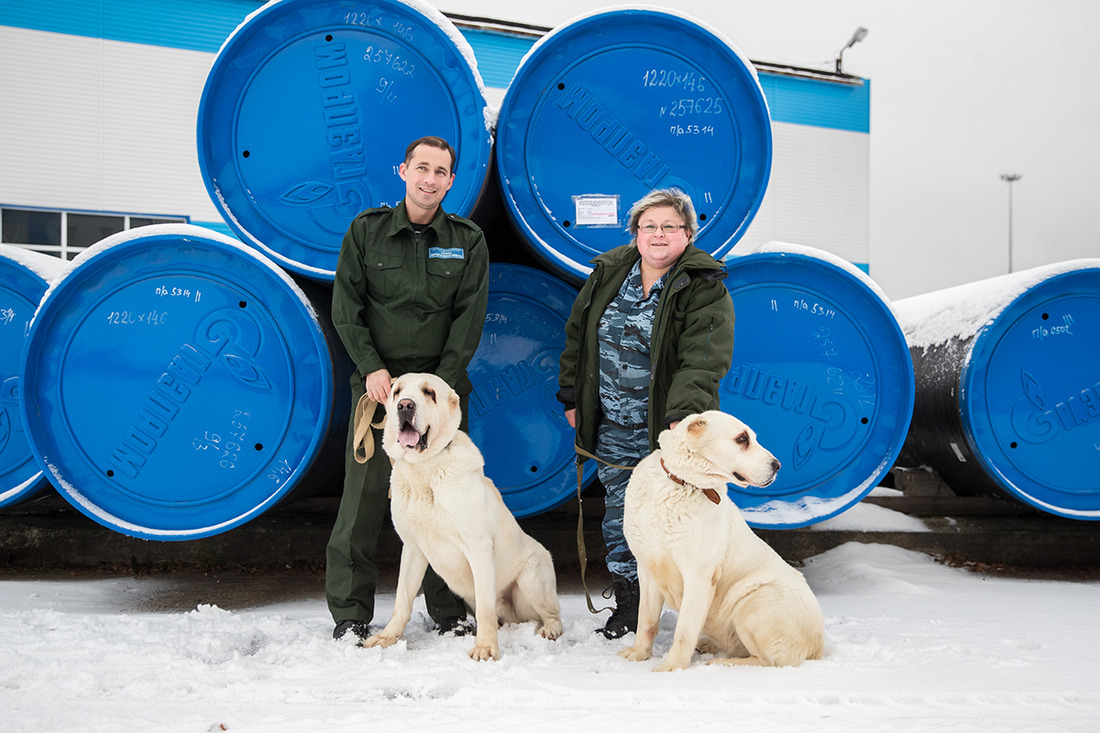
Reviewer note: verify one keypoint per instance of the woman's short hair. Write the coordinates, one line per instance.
(673, 197)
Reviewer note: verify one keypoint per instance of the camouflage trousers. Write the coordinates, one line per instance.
(624, 447)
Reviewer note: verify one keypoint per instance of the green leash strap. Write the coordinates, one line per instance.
(582, 551)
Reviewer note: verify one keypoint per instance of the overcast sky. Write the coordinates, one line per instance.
(962, 92)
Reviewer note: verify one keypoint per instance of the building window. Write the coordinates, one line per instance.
(25, 226)
(65, 234)
(84, 230)
(144, 221)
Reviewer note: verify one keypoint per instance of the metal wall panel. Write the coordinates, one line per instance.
(149, 104)
(49, 120)
(818, 194)
(99, 125)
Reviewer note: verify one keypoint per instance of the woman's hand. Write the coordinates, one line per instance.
(571, 416)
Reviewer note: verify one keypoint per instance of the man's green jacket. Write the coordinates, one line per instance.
(411, 302)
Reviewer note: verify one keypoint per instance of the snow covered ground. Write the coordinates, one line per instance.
(912, 645)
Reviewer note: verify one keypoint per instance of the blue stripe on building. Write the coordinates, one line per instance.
(218, 226)
(497, 55)
(193, 25)
(818, 103)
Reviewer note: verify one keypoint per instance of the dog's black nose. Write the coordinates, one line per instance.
(405, 407)
(775, 464)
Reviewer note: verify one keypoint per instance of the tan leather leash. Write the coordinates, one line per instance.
(582, 552)
(362, 440)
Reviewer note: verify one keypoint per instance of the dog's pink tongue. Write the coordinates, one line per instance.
(408, 437)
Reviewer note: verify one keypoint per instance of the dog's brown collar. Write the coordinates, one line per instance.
(710, 493)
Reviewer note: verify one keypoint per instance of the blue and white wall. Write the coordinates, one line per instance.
(819, 193)
(99, 105)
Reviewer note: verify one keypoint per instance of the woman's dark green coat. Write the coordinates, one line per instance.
(691, 345)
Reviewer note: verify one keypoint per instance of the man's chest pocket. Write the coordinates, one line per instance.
(444, 278)
(384, 279)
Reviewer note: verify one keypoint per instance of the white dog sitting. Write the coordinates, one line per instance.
(696, 553)
(450, 515)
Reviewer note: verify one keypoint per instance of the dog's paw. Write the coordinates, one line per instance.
(670, 666)
(485, 652)
(634, 654)
(378, 640)
(741, 662)
(706, 646)
(550, 631)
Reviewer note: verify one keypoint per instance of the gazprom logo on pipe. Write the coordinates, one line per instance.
(833, 422)
(1036, 418)
(514, 380)
(227, 335)
(344, 141)
(592, 116)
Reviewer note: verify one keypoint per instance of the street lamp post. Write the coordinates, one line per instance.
(1010, 178)
(859, 34)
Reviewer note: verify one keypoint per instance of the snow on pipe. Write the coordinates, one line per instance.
(176, 384)
(1008, 387)
(24, 278)
(821, 371)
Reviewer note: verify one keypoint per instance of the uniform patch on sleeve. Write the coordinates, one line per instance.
(446, 253)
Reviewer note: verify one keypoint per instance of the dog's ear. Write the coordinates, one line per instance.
(696, 427)
(454, 400)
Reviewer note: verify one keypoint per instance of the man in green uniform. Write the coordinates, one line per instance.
(410, 294)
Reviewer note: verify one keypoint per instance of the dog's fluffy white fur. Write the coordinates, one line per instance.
(735, 596)
(450, 515)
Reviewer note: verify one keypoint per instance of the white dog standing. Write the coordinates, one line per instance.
(696, 553)
(450, 515)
